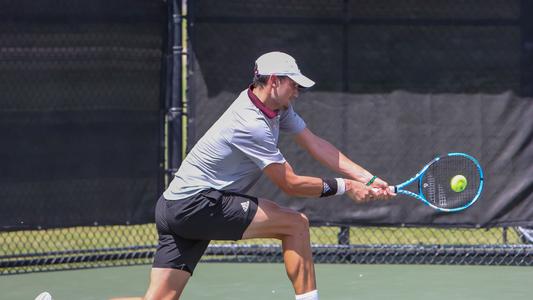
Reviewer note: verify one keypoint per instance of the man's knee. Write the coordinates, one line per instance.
(300, 223)
(304, 220)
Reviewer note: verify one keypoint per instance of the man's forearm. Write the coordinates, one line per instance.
(335, 160)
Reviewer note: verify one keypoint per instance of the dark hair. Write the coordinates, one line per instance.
(261, 80)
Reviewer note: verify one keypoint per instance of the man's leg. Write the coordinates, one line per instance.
(292, 228)
(166, 284)
(176, 256)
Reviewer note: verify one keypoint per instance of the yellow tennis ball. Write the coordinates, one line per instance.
(458, 183)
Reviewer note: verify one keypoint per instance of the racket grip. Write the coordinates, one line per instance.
(392, 188)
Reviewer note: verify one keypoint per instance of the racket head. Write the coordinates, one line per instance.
(434, 182)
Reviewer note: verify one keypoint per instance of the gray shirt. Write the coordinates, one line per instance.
(234, 151)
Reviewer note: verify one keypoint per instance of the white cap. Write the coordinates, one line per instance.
(282, 64)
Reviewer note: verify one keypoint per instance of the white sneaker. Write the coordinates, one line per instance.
(44, 296)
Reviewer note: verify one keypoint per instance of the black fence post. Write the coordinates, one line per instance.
(344, 233)
(174, 108)
(526, 61)
(504, 235)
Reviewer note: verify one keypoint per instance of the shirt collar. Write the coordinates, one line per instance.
(262, 107)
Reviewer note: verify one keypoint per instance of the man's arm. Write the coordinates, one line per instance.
(291, 184)
(331, 157)
(306, 186)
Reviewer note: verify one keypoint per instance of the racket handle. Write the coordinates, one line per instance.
(392, 188)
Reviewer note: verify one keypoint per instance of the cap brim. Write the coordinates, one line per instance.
(302, 80)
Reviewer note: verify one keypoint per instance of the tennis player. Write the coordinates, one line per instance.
(207, 198)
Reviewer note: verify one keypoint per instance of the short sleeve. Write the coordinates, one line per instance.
(291, 122)
(258, 144)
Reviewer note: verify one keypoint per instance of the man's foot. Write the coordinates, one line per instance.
(44, 296)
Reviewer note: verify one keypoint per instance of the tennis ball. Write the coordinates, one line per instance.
(458, 183)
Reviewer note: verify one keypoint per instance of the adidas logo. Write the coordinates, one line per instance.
(245, 205)
(326, 188)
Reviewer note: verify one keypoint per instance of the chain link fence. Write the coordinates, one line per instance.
(104, 246)
(80, 116)
(359, 47)
(363, 55)
(362, 46)
(394, 245)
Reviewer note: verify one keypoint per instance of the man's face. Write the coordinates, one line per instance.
(285, 91)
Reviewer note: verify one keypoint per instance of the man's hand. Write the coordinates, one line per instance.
(383, 189)
(361, 193)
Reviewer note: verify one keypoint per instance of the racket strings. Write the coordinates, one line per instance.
(436, 183)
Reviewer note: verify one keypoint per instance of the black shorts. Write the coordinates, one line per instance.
(185, 227)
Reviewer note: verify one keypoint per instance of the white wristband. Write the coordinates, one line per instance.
(341, 186)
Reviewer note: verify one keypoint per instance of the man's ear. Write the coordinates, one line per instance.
(274, 80)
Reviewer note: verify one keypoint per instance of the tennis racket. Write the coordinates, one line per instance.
(435, 183)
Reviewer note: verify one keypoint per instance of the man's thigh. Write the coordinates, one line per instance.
(273, 221)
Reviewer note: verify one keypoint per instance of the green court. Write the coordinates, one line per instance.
(101, 102)
(268, 281)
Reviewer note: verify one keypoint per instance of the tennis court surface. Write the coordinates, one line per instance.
(101, 101)
(268, 281)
